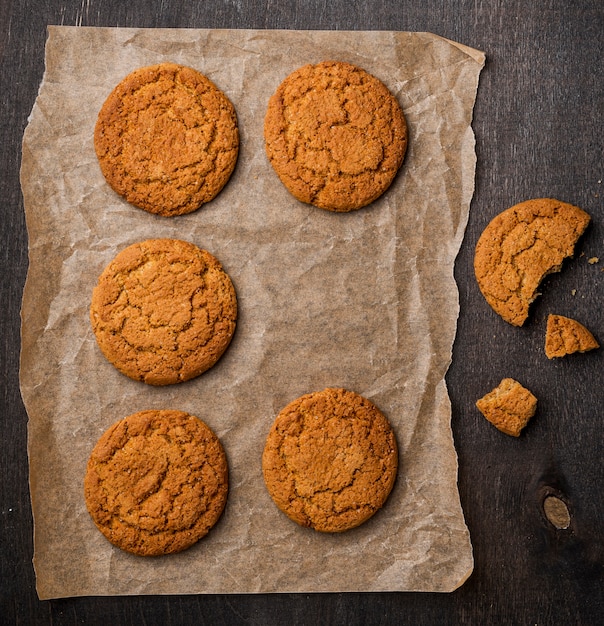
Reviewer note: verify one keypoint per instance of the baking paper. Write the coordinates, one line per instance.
(364, 300)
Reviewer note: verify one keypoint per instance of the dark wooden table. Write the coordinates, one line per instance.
(538, 125)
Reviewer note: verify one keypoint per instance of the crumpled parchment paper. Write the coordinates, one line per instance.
(364, 300)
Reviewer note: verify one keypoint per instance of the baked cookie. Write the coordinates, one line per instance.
(508, 407)
(163, 311)
(156, 482)
(335, 135)
(330, 460)
(167, 139)
(564, 336)
(519, 247)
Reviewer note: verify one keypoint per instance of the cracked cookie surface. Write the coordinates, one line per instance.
(566, 336)
(167, 139)
(163, 311)
(156, 482)
(519, 247)
(335, 135)
(330, 460)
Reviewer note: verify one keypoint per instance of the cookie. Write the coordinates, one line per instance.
(167, 139)
(335, 135)
(156, 482)
(163, 311)
(508, 407)
(330, 460)
(565, 336)
(519, 247)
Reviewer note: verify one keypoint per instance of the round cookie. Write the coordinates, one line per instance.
(167, 139)
(156, 482)
(330, 460)
(163, 311)
(519, 247)
(335, 135)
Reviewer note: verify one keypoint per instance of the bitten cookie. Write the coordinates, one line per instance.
(519, 247)
(330, 460)
(156, 482)
(335, 135)
(508, 407)
(163, 311)
(564, 336)
(167, 139)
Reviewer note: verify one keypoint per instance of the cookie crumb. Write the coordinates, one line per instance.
(593, 260)
(508, 407)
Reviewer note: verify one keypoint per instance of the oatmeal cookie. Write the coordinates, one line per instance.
(156, 482)
(167, 139)
(335, 135)
(163, 311)
(330, 460)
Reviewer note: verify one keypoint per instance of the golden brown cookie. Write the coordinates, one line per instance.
(335, 135)
(167, 139)
(330, 460)
(519, 247)
(564, 336)
(163, 311)
(156, 482)
(508, 407)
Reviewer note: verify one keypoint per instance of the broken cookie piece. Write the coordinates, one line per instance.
(521, 246)
(508, 407)
(565, 336)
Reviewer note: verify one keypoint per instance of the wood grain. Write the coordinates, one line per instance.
(538, 132)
